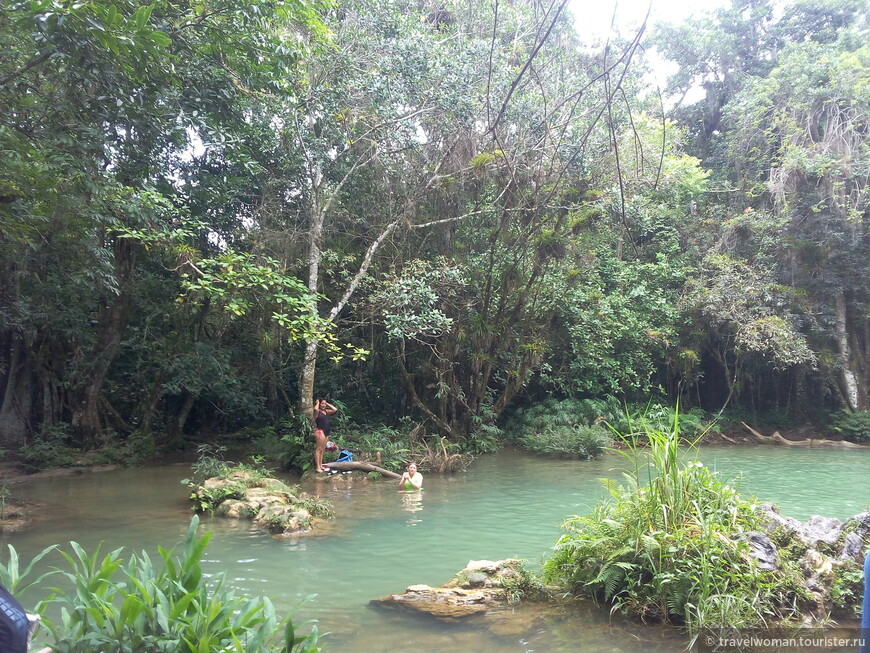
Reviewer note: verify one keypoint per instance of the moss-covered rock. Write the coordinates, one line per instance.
(481, 586)
(827, 552)
(269, 502)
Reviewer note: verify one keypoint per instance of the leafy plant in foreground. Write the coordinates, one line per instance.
(170, 607)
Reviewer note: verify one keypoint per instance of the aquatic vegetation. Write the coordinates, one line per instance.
(671, 544)
(170, 607)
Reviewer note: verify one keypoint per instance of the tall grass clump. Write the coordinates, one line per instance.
(106, 604)
(669, 544)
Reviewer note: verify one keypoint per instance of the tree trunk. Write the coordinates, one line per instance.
(306, 379)
(150, 405)
(315, 236)
(113, 317)
(849, 383)
(15, 410)
(183, 414)
(361, 466)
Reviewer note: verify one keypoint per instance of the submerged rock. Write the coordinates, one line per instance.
(514, 621)
(442, 602)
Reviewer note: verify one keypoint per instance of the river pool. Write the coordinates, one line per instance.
(508, 504)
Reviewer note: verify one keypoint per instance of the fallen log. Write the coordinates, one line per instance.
(361, 466)
(776, 438)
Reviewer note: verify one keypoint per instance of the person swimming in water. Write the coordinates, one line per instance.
(412, 479)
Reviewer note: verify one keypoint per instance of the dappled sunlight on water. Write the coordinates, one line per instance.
(382, 540)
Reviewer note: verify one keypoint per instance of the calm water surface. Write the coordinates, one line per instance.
(506, 505)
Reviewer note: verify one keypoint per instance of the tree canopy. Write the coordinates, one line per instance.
(212, 212)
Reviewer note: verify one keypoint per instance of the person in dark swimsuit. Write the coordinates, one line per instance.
(322, 424)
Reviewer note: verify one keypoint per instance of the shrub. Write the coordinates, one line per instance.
(487, 438)
(637, 419)
(133, 451)
(50, 448)
(156, 608)
(564, 427)
(854, 426)
(669, 548)
(562, 412)
(393, 444)
(210, 461)
(295, 448)
(568, 441)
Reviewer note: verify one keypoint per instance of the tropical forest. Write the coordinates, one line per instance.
(616, 284)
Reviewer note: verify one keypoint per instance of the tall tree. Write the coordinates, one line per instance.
(800, 135)
(103, 102)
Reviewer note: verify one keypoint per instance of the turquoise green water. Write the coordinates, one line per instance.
(506, 505)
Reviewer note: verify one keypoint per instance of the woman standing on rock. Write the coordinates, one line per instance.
(322, 425)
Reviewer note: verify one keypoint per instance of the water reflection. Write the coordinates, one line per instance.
(412, 501)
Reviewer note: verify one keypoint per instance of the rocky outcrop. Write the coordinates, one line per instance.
(824, 552)
(824, 549)
(270, 503)
(479, 587)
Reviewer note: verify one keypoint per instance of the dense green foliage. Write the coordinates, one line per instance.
(669, 545)
(853, 426)
(568, 428)
(169, 606)
(439, 212)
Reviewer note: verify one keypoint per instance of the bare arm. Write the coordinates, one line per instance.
(416, 481)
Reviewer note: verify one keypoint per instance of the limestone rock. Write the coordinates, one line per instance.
(857, 531)
(269, 502)
(471, 592)
(487, 574)
(820, 530)
(762, 549)
(823, 547)
(442, 602)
